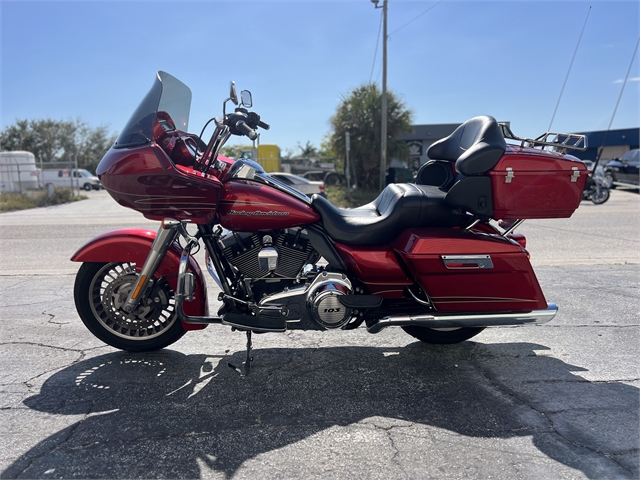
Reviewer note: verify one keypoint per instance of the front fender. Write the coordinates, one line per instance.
(133, 245)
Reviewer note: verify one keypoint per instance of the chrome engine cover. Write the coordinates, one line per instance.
(316, 303)
(323, 300)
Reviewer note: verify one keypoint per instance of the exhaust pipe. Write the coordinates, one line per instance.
(536, 317)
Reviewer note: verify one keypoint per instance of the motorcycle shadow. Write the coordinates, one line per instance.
(170, 415)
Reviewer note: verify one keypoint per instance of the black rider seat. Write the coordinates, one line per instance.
(398, 207)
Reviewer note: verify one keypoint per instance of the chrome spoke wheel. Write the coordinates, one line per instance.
(109, 291)
(102, 290)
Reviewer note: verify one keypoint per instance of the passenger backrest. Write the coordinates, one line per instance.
(475, 146)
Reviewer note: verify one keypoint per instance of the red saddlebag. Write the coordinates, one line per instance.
(467, 272)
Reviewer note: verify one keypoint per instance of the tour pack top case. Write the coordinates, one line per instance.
(532, 183)
(537, 178)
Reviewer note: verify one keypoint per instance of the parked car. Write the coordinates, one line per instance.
(308, 187)
(314, 175)
(623, 170)
(328, 177)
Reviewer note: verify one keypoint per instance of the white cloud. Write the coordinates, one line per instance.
(631, 79)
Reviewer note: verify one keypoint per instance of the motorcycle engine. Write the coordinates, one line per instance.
(308, 296)
(292, 245)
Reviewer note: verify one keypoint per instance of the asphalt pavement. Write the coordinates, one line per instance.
(559, 400)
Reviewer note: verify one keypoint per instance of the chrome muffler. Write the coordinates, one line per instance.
(536, 317)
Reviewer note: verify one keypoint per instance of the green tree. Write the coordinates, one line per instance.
(360, 114)
(308, 150)
(59, 140)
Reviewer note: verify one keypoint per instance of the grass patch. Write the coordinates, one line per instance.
(337, 194)
(12, 201)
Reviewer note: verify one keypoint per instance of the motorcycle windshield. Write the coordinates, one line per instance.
(168, 95)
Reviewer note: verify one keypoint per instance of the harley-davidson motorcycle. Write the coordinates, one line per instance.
(438, 257)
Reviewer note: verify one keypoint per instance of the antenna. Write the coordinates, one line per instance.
(624, 84)
(569, 71)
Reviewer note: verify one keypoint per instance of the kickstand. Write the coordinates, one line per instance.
(249, 359)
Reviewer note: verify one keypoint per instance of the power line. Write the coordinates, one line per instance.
(418, 16)
(375, 54)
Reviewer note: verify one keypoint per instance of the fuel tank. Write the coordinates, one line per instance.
(248, 206)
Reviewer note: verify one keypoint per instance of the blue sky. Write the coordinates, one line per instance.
(95, 60)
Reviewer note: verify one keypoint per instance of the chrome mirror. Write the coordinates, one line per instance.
(233, 96)
(246, 99)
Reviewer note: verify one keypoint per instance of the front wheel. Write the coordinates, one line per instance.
(101, 290)
(442, 336)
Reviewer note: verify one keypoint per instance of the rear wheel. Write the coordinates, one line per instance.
(599, 196)
(100, 292)
(442, 336)
(609, 179)
(333, 179)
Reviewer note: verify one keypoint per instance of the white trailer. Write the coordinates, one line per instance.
(18, 171)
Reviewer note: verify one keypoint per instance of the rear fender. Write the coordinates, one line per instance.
(133, 245)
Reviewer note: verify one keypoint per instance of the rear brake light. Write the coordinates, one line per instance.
(321, 187)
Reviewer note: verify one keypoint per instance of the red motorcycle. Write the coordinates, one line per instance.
(429, 257)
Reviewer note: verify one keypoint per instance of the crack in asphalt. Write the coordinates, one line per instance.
(545, 414)
(56, 446)
(394, 447)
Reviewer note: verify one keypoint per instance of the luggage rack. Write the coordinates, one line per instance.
(561, 142)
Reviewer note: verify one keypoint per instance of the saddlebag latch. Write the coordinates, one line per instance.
(510, 175)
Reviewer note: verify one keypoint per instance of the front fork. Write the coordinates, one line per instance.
(166, 235)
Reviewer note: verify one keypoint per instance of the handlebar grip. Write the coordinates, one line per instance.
(246, 130)
(263, 125)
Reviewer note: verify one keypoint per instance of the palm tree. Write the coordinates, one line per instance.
(359, 113)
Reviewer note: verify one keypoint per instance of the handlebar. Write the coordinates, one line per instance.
(240, 122)
(245, 129)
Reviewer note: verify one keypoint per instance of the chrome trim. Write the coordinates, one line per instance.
(180, 290)
(419, 300)
(280, 296)
(467, 261)
(536, 317)
(472, 224)
(244, 169)
(512, 227)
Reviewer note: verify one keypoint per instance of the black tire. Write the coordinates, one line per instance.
(609, 179)
(600, 198)
(333, 179)
(442, 336)
(87, 187)
(101, 288)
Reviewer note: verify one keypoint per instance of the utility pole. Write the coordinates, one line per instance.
(347, 141)
(383, 127)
